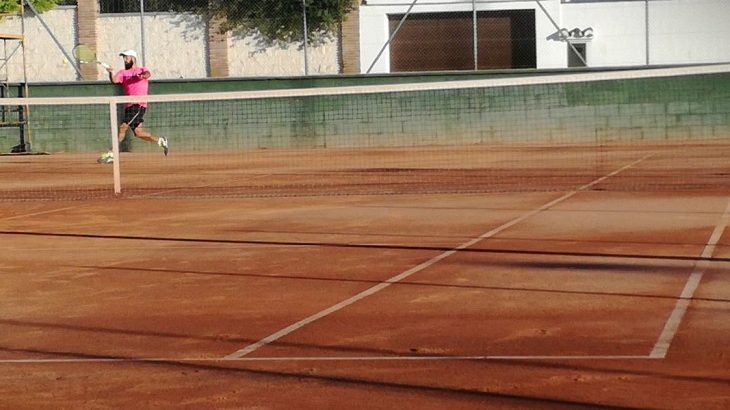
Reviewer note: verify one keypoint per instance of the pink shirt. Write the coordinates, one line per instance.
(133, 85)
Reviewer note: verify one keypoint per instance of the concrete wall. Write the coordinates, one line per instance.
(249, 58)
(45, 61)
(175, 47)
(675, 108)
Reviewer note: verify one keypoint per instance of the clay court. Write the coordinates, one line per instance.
(545, 277)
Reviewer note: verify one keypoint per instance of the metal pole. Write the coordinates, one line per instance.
(304, 21)
(141, 28)
(392, 36)
(115, 146)
(26, 140)
(646, 14)
(70, 59)
(476, 36)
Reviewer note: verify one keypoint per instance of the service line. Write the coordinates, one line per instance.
(418, 268)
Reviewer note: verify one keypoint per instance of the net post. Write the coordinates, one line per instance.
(115, 146)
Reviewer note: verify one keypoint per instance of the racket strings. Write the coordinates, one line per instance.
(84, 54)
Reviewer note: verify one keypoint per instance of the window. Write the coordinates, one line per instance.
(133, 6)
(573, 59)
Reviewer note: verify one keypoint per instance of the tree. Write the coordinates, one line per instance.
(275, 20)
(13, 6)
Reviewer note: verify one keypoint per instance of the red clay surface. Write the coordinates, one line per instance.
(396, 170)
(135, 303)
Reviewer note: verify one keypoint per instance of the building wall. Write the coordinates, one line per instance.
(350, 38)
(248, 57)
(374, 31)
(680, 31)
(176, 46)
(619, 31)
(695, 31)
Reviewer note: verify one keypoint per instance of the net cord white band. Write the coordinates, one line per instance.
(536, 79)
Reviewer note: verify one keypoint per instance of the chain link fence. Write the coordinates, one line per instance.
(464, 37)
(461, 40)
(425, 35)
(136, 6)
(176, 38)
(179, 41)
(248, 51)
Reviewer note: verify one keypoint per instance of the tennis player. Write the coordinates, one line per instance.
(135, 82)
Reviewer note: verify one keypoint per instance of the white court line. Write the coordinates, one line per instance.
(168, 247)
(380, 89)
(37, 213)
(675, 319)
(397, 278)
(168, 191)
(322, 359)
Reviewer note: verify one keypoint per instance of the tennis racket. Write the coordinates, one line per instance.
(87, 55)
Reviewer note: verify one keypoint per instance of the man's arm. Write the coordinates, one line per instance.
(112, 78)
(144, 74)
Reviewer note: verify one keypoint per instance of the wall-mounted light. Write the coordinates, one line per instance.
(576, 34)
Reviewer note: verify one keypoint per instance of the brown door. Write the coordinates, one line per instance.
(444, 41)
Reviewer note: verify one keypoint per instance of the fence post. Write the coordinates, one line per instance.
(141, 29)
(392, 36)
(304, 25)
(476, 36)
(646, 15)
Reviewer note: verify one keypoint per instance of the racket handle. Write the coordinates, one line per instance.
(105, 65)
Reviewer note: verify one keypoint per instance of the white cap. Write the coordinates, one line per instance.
(130, 53)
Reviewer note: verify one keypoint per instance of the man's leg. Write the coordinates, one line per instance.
(108, 157)
(139, 132)
(123, 127)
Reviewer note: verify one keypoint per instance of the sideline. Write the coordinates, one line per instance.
(675, 318)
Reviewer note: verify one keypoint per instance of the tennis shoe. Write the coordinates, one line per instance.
(162, 142)
(106, 158)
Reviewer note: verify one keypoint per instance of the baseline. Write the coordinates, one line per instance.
(322, 359)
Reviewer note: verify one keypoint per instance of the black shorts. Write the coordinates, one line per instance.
(134, 115)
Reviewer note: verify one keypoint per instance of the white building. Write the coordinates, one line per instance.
(438, 34)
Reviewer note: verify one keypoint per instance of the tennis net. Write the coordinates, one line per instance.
(541, 132)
